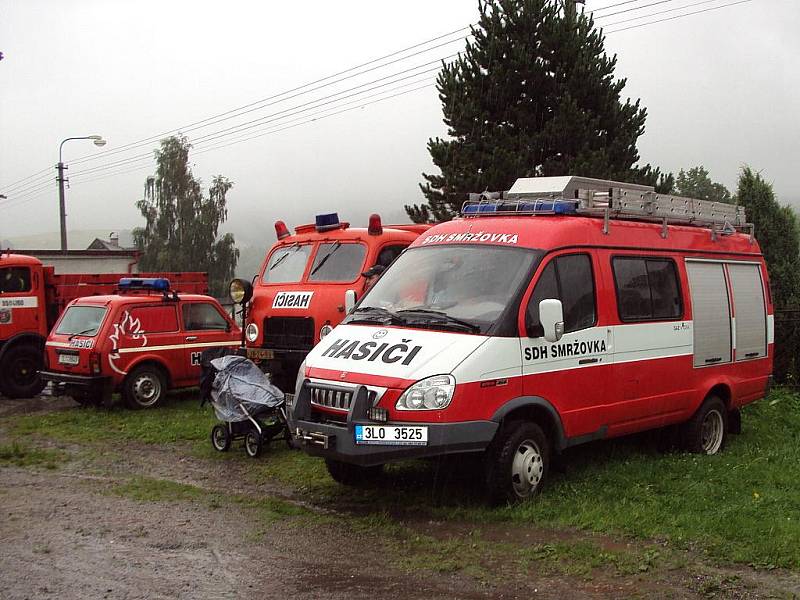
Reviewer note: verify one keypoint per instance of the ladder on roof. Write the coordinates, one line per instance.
(609, 200)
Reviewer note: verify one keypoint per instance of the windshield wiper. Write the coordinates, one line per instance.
(336, 246)
(282, 258)
(84, 332)
(375, 314)
(440, 318)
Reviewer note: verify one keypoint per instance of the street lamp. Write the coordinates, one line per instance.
(98, 141)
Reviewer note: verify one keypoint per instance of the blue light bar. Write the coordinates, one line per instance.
(144, 283)
(326, 222)
(521, 207)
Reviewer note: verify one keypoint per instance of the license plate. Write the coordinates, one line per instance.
(260, 353)
(392, 435)
(68, 359)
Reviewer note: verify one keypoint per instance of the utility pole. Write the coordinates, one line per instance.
(62, 208)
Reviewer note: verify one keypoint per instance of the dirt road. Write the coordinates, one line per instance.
(150, 521)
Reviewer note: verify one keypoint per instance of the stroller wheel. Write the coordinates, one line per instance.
(253, 444)
(220, 438)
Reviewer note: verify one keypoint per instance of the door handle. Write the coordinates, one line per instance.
(588, 361)
(191, 338)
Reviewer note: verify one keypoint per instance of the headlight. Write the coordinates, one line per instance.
(432, 393)
(240, 291)
(325, 330)
(251, 332)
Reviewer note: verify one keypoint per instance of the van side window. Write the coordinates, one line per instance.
(647, 289)
(202, 316)
(15, 280)
(569, 279)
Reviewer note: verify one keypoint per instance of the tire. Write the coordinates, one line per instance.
(706, 431)
(517, 463)
(19, 371)
(352, 475)
(220, 438)
(253, 444)
(144, 387)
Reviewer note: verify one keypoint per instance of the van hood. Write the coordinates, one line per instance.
(392, 352)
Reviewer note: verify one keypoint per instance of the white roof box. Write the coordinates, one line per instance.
(565, 186)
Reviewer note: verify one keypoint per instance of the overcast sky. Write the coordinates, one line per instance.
(722, 89)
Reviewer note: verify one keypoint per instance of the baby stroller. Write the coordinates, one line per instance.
(249, 406)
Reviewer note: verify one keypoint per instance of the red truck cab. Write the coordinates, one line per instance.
(142, 342)
(308, 281)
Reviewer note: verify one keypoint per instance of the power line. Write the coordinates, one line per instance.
(360, 104)
(661, 12)
(34, 186)
(697, 12)
(130, 145)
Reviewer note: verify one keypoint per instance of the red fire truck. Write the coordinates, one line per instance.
(308, 282)
(142, 341)
(566, 310)
(32, 297)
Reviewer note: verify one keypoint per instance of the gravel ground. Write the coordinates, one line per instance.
(69, 533)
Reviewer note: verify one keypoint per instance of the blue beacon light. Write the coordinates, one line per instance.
(144, 283)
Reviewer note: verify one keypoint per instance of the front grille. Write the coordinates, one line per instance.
(338, 398)
(290, 333)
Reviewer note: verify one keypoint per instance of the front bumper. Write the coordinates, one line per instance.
(337, 440)
(67, 383)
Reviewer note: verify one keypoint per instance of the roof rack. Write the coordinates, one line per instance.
(607, 199)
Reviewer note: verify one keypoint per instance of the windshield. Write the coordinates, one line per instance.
(338, 262)
(81, 320)
(287, 264)
(459, 287)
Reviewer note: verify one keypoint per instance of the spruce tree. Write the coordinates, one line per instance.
(777, 233)
(181, 225)
(533, 94)
(696, 183)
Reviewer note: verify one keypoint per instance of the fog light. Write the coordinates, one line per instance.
(376, 413)
(252, 332)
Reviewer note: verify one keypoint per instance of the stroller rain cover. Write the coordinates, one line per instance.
(240, 385)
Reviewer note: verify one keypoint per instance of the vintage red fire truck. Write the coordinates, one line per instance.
(32, 297)
(142, 341)
(308, 282)
(565, 310)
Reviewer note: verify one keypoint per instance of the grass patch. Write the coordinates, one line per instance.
(20, 455)
(148, 489)
(740, 506)
(179, 420)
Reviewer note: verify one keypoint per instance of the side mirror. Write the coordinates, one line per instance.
(373, 271)
(349, 301)
(551, 315)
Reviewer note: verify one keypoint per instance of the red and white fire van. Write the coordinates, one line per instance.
(142, 341)
(565, 310)
(307, 283)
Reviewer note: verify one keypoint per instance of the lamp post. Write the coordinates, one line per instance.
(98, 141)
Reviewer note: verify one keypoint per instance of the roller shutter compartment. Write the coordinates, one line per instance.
(749, 311)
(711, 313)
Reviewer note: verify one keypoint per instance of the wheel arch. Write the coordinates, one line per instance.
(27, 337)
(537, 410)
(154, 362)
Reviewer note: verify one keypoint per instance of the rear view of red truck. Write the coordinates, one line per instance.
(32, 296)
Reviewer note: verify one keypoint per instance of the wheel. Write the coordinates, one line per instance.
(144, 387)
(517, 463)
(253, 444)
(19, 372)
(705, 432)
(352, 475)
(220, 438)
